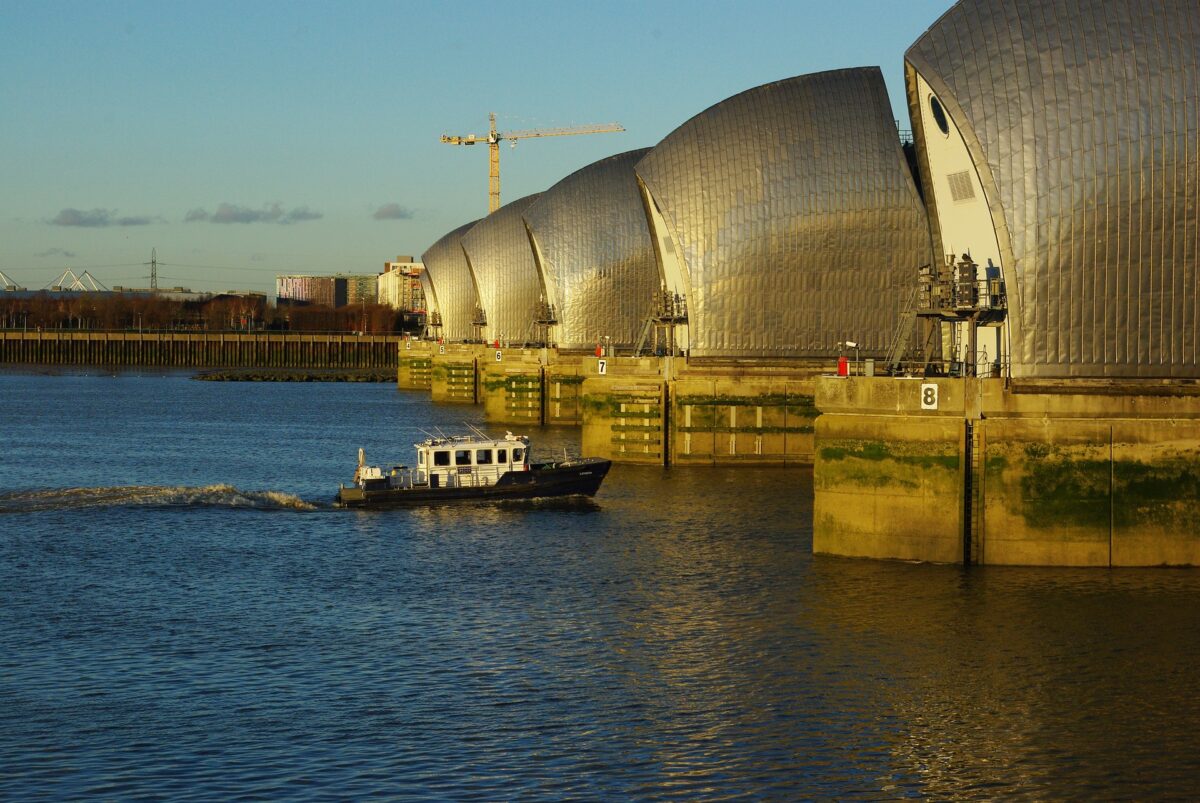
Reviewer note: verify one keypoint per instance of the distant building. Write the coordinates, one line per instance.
(330, 291)
(362, 289)
(168, 293)
(399, 286)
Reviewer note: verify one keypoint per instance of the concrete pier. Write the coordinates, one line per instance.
(414, 364)
(531, 386)
(625, 409)
(454, 374)
(664, 411)
(511, 386)
(731, 414)
(563, 385)
(1080, 473)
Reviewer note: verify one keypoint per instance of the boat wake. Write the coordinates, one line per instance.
(149, 496)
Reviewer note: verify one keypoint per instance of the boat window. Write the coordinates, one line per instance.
(421, 457)
(483, 457)
(517, 454)
(462, 457)
(502, 455)
(441, 458)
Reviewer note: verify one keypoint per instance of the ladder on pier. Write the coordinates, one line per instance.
(903, 333)
(973, 499)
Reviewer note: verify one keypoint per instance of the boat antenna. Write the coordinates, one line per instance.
(426, 433)
(476, 430)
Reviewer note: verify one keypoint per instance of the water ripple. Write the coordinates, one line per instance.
(217, 495)
(674, 639)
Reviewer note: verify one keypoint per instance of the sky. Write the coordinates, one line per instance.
(244, 140)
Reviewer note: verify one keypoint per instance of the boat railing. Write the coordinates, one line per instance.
(467, 480)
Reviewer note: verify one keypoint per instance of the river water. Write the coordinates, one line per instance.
(183, 616)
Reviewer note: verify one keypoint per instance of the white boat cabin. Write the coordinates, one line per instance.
(469, 460)
(451, 462)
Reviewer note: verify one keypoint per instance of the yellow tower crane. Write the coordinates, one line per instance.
(493, 140)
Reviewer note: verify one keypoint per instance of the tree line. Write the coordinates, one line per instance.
(220, 313)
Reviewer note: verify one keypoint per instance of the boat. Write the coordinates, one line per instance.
(470, 468)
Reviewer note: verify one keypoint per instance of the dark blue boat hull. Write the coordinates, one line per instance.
(573, 478)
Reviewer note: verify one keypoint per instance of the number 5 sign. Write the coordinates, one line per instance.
(929, 396)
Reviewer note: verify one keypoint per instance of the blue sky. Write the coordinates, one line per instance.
(247, 139)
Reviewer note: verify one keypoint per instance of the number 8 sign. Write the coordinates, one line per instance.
(929, 396)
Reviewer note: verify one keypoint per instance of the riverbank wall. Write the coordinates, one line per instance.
(1048, 473)
(200, 350)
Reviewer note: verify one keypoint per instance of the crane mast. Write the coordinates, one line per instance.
(494, 137)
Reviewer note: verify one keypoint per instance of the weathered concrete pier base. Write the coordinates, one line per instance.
(454, 373)
(663, 411)
(563, 383)
(724, 414)
(511, 386)
(414, 364)
(625, 409)
(1080, 473)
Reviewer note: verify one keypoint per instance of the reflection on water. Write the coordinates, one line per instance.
(672, 638)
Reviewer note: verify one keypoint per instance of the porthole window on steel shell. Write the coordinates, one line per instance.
(939, 115)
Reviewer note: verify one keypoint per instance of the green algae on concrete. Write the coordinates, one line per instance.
(746, 418)
(1046, 492)
(1156, 493)
(414, 365)
(624, 418)
(453, 378)
(886, 486)
(1056, 479)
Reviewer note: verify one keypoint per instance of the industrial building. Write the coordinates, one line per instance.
(788, 219)
(594, 254)
(362, 289)
(506, 277)
(450, 289)
(1059, 145)
(331, 291)
(399, 286)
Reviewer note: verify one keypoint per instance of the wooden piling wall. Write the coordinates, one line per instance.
(200, 350)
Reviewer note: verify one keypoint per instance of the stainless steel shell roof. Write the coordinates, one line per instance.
(1083, 120)
(431, 302)
(506, 276)
(594, 251)
(795, 212)
(449, 275)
